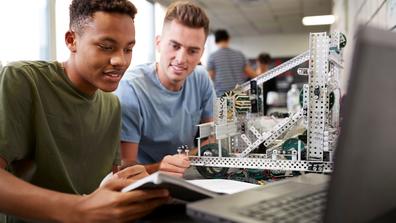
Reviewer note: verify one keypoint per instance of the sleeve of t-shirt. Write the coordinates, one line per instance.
(131, 118)
(210, 63)
(117, 155)
(16, 131)
(208, 93)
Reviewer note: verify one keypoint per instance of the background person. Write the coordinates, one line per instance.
(263, 65)
(227, 67)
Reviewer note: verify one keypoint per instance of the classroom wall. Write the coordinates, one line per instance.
(279, 45)
(252, 46)
(351, 13)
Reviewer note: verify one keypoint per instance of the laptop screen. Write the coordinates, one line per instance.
(363, 184)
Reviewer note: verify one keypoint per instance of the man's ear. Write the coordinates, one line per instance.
(158, 42)
(70, 40)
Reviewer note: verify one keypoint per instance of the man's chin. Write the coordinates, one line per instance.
(177, 80)
(108, 88)
(178, 77)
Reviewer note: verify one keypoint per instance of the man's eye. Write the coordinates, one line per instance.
(106, 48)
(175, 46)
(193, 51)
(128, 50)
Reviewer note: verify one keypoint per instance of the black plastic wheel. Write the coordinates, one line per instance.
(208, 171)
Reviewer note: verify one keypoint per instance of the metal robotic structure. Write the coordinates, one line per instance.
(240, 140)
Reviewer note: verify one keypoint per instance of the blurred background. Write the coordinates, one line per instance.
(34, 29)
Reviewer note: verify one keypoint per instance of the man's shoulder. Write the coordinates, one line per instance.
(221, 52)
(217, 52)
(235, 51)
(200, 77)
(138, 74)
(200, 72)
(136, 80)
(32, 65)
(140, 70)
(31, 71)
(25, 64)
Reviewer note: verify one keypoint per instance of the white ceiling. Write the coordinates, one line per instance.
(244, 18)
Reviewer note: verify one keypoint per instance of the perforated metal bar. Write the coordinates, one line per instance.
(318, 95)
(268, 139)
(277, 70)
(260, 163)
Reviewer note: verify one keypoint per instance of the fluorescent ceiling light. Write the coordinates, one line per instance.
(318, 20)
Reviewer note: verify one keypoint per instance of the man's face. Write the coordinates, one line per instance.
(180, 49)
(101, 52)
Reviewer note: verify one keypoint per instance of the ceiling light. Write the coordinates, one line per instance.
(318, 20)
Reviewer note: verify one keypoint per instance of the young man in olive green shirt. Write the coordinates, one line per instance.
(59, 128)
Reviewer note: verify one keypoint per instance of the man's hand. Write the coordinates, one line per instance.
(174, 164)
(108, 204)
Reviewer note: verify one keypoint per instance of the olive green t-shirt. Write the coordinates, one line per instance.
(72, 138)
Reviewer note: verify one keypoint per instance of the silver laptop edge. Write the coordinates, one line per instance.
(226, 208)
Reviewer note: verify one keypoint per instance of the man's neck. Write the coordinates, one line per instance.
(223, 44)
(75, 79)
(164, 80)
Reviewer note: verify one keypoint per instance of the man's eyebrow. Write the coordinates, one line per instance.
(189, 47)
(108, 39)
(175, 42)
(133, 42)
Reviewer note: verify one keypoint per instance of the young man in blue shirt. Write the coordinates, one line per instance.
(163, 102)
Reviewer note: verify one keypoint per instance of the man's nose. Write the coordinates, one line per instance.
(181, 56)
(119, 59)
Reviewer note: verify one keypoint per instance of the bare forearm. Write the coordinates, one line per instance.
(250, 72)
(152, 168)
(22, 199)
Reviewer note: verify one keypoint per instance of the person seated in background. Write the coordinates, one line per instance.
(227, 67)
(263, 65)
(163, 102)
(60, 126)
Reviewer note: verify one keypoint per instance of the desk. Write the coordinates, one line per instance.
(173, 213)
(170, 213)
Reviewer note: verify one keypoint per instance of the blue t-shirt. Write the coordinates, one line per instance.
(158, 119)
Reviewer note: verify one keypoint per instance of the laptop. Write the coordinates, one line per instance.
(362, 187)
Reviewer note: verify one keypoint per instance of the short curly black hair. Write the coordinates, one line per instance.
(82, 10)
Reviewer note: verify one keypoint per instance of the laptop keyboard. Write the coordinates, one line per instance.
(302, 209)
